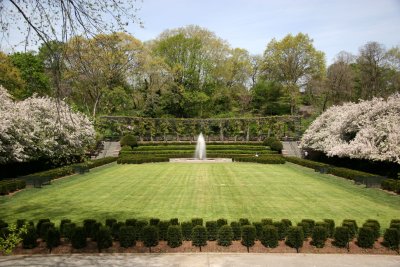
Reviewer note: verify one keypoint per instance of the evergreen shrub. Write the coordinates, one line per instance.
(269, 236)
(225, 236)
(174, 236)
(295, 237)
(366, 237)
(127, 236)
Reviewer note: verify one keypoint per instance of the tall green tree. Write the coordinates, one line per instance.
(10, 76)
(33, 73)
(293, 61)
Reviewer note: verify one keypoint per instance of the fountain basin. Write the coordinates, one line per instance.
(194, 160)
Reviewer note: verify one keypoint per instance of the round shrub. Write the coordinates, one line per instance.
(62, 226)
(330, 227)
(248, 236)
(29, 239)
(306, 229)
(68, 230)
(375, 226)
(267, 221)
(221, 222)
(199, 236)
(129, 140)
(130, 222)
(225, 236)
(174, 236)
(341, 237)
(295, 237)
(366, 237)
(154, 221)
(269, 236)
(52, 238)
(127, 236)
(95, 229)
(88, 227)
(150, 236)
(39, 225)
(244, 221)
(110, 222)
(115, 230)
(281, 229)
(276, 146)
(212, 230)
(391, 238)
(269, 140)
(187, 230)
(140, 224)
(163, 230)
(174, 221)
(352, 225)
(237, 232)
(78, 239)
(103, 238)
(319, 236)
(258, 226)
(44, 228)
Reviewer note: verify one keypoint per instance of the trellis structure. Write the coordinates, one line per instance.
(215, 129)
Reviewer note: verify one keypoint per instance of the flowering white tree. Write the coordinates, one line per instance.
(41, 127)
(365, 130)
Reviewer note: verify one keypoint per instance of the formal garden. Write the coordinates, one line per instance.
(184, 143)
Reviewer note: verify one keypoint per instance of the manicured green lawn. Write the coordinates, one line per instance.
(210, 191)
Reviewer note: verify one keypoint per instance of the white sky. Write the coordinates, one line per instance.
(334, 25)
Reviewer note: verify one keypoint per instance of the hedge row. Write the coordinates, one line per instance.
(391, 185)
(193, 146)
(268, 232)
(264, 159)
(69, 170)
(9, 186)
(221, 152)
(216, 143)
(307, 163)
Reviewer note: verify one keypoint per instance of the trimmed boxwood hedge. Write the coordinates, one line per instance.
(187, 230)
(391, 238)
(174, 236)
(264, 159)
(78, 239)
(319, 236)
(307, 163)
(127, 236)
(248, 236)
(391, 185)
(341, 237)
(212, 230)
(10, 186)
(199, 236)
(237, 231)
(366, 237)
(225, 236)
(269, 237)
(295, 237)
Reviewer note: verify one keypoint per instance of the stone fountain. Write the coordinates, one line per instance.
(200, 154)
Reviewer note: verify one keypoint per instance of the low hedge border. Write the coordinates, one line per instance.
(127, 235)
(10, 186)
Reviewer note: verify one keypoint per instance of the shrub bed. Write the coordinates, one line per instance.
(264, 159)
(391, 185)
(10, 186)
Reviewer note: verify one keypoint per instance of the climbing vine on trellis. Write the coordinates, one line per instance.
(217, 129)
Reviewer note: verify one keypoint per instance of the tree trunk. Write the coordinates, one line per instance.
(248, 249)
(95, 106)
(200, 248)
(149, 249)
(248, 134)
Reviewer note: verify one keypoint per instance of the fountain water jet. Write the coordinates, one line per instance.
(200, 152)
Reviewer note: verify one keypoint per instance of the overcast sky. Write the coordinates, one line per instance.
(334, 25)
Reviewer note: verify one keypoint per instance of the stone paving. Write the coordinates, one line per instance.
(204, 259)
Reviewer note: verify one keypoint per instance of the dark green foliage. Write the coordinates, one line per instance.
(187, 230)
(269, 236)
(78, 239)
(95, 229)
(29, 239)
(269, 140)
(174, 236)
(221, 222)
(20, 223)
(10, 186)
(391, 238)
(352, 225)
(391, 185)
(248, 236)
(258, 226)
(199, 236)
(225, 236)
(267, 221)
(44, 227)
(140, 224)
(88, 225)
(287, 222)
(103, 238)
(349, 173)
(295, 237)
(281, 229)
(263, 159)
(39, 224)
(115, 230)
(174, 221)
(237, 231)
(330, 227)
(306, 229)
(62, 226)
(212, 230)
(311, 225)
(127, 236)
(150, 236)
(163, 230)
(3, 224)
(244, 221)
(375, 225)
(129, 140)
(394, 221)
(276, 146)
(197, 221)
(68, 230)
(130, 222)
(307, 163)
(110, 222)
(52, 238)
(154, 221)
(319, 236)
(341, 237)
(366, 237)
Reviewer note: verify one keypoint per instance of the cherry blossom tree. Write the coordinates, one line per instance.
(365, 130)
